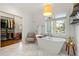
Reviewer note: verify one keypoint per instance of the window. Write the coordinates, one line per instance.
(55, 26)
(60, 26)
(52, 30)
(47, 26)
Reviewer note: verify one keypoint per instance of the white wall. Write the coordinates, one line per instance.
(10, 12)
(30, 20)
(26, 21)
(27, 26)
(77, 37)
(72, 29)
(39, 19)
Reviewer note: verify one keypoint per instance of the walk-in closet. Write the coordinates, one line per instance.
(10, 31)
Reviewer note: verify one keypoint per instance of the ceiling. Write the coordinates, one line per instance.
(58, 8)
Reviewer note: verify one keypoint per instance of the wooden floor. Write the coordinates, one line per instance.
(9, 42)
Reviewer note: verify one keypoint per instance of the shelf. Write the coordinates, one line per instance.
(75, 21)
(75, 10)
(9, 42)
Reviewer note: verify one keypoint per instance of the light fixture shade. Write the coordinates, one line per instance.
(47, 10)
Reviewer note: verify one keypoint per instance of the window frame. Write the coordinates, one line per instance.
(61, 18)
(54, 26)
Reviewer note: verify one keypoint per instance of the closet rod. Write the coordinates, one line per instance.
(11, 14)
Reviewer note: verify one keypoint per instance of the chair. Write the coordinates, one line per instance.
(31, 37)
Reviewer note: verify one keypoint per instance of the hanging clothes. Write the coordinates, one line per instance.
(13, 23)
(8, 23)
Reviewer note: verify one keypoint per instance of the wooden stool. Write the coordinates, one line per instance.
(70, 46)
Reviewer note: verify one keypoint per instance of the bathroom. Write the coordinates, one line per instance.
(52, 32)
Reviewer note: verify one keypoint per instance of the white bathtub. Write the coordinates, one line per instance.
(52, 45)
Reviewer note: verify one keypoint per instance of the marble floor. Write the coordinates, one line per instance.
(29, 49)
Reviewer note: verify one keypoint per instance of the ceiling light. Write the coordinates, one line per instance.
(47, 10)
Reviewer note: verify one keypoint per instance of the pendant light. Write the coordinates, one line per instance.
(47, 10)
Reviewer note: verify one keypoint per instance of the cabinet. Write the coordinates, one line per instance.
(7, 28)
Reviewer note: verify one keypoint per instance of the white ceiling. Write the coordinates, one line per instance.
(58, 8)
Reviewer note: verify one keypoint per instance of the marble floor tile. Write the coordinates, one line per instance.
(20, 49)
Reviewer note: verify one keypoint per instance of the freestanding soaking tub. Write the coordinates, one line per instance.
(52, 45)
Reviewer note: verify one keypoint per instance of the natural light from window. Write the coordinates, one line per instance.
(55, 26)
